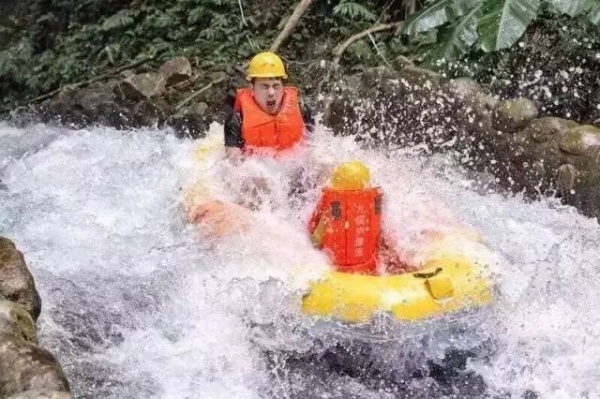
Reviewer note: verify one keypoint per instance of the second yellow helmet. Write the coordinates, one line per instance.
(266, 65)
(349, 176)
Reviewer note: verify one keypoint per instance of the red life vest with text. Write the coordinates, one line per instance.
(353, 228)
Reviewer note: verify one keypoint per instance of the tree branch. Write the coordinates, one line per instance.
(339, 50)
(291, 24)
(202, 90)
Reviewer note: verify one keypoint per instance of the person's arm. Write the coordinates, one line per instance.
(233, 135)
(317, 235)
(317, 224)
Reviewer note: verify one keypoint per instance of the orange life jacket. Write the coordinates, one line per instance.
(278, 132)
(353, 228)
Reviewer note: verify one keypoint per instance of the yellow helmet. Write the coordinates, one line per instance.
(266, 65)
(350, 176)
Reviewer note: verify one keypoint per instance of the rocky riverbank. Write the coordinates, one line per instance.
(527, 151)
(27, 370)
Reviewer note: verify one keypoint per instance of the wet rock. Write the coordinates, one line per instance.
(515, 114)
(24, 116)
(14, 320)
(538, 170)
(67, 95)
(147, 113)
(114, 115)
(463, 88)
(63, 114)
(566, 178)
(468, 90)
(376, 75)
(25, 366)
(191, 121)
(590, 194)
(89, 99)
(401, 62)
(16, 282)
(581, 140)
(417, 77)
(543, 129)
(191, 125)
(41, 394)
(175, 71)
(194, 109)
(141, 87)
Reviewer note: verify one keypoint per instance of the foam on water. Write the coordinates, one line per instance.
(137, 303)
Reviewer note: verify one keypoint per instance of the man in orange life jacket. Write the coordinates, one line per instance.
(347, 224)
(267, 115)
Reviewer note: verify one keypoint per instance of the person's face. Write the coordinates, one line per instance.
(268, 94)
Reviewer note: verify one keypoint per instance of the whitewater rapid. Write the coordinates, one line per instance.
(136, 304)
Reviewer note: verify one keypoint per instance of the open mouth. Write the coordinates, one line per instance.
(271, 103)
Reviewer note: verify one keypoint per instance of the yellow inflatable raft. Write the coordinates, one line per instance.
(453, 277)
(442, 286)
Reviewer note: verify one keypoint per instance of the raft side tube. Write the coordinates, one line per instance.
(443, 286)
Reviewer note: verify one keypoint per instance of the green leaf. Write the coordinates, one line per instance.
(7, 64)
(196, 15)
(592, 9)
(161, 20)
(505, 21)
(569, 7)
(462, 7)
(455, 40)
(354, 11)
(118, 21)
(360, 49)
(427, 19)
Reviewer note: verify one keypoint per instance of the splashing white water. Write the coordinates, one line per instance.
(136, 304)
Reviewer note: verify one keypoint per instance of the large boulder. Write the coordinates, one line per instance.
(25, 366)
(41, 394)
(141, 87)
(16, 282)
(175, 70)
(16, 321)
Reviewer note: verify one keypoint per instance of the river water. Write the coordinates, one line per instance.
(139, 304)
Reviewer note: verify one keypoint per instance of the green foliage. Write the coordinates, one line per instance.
(119, 21)
(354, 10)
(555, 64)
(50, 44)
(62, 42)
(504, 22)
(456, 39)
(488, 25)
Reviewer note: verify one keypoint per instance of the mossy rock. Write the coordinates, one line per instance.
(515, 114)
(581, 140)
(14, 319)
(41, 394)
(543, 129)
